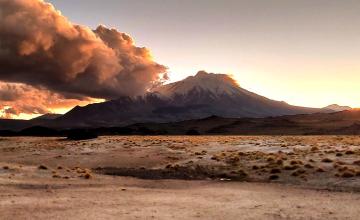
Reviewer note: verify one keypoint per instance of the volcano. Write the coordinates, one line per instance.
(199, 96)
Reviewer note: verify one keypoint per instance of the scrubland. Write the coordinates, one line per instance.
(181, 177)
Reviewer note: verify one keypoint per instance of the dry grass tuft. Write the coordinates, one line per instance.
(288, 167)
(298, 172)
(273, 177)
(294, 162)
(357, 162)
(347, 175)
(275, 170)
(255, 167)
(42, 167)
(314, 149)
(270, 159)
(349, 152)
(327, 160)
(242, 173)
(343, 168)
(215, 158)
(280, 162)
(308, 166)
(88, 176)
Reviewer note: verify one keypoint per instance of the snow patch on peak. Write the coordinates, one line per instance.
(217, 84)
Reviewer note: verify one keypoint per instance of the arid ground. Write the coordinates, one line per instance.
(181, 177)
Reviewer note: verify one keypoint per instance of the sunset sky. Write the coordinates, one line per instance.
(304, 52)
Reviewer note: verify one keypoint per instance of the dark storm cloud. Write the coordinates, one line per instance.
(41, 48)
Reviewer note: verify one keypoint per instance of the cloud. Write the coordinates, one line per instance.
(41, 48)
(16, 99)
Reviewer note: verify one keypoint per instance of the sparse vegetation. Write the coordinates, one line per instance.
(225, 158)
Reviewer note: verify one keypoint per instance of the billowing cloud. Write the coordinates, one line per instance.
(41, 48)
(16, 99)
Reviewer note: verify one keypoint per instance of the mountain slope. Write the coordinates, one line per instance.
(198, 96)
(48, 116)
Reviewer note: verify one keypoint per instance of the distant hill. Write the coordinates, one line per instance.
(337, 108)
(195, 97)
(17, 125)
(14, 125)
(338, 123)
(345, 122)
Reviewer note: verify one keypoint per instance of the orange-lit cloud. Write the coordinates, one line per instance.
(41, 48)
(20, 99)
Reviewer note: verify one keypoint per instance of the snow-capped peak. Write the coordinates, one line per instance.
(217, 84)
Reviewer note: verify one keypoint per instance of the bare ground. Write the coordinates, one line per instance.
(50, 178)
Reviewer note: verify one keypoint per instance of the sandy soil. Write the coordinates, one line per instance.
(231, 177)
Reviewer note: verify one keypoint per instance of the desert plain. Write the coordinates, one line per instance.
(180, 177)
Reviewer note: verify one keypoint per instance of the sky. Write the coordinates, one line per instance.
(303, 52)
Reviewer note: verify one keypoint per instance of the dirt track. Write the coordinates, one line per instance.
(129, 198)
